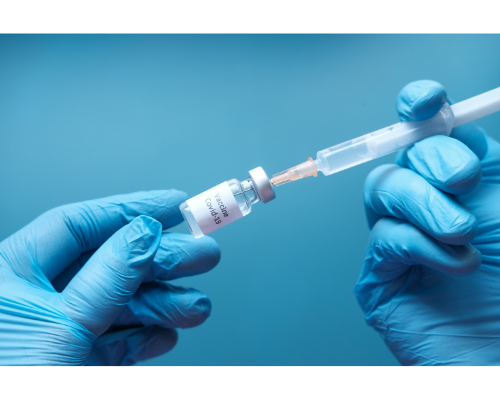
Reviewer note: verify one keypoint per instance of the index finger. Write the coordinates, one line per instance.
(58, 237)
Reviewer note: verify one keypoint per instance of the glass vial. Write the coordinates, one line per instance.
(225, 203)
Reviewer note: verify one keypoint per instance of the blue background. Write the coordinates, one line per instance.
(83, 117)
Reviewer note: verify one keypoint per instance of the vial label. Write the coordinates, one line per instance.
(214, 208)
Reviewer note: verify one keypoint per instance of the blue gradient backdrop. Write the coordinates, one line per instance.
(83, 117)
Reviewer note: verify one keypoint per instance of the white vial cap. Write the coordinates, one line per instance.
(262, 184)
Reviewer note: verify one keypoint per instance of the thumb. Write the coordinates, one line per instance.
(422, 100)
(97, 294)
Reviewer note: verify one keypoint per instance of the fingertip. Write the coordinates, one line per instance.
(420, 100)
(468, 260)
(182, 255)
(474, 137)
(164, 340)
(370, 193)
(210, 250)
(193, 306)
(150, 342)
(203, 307)
(162, 304)
(377, 174)
(446, 163)
(175, 197)
(198, 307)
(163, 205)
(461, 228)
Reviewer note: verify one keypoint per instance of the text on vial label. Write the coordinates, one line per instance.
(215, 208)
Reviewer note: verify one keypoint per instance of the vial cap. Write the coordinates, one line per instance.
(262, 184)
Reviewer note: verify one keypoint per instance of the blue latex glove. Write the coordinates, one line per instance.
(85, 283)
(430, 283)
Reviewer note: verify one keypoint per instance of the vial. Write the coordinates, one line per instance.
(227, 202)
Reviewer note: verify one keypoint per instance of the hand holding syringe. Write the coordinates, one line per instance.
(231, 200)
(392, 138)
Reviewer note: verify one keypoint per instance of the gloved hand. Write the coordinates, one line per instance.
(430, 283)
(85, 283)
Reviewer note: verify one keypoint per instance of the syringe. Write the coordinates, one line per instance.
(392, 138)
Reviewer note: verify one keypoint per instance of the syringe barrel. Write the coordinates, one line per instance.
(476, 107)
(383, 141)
